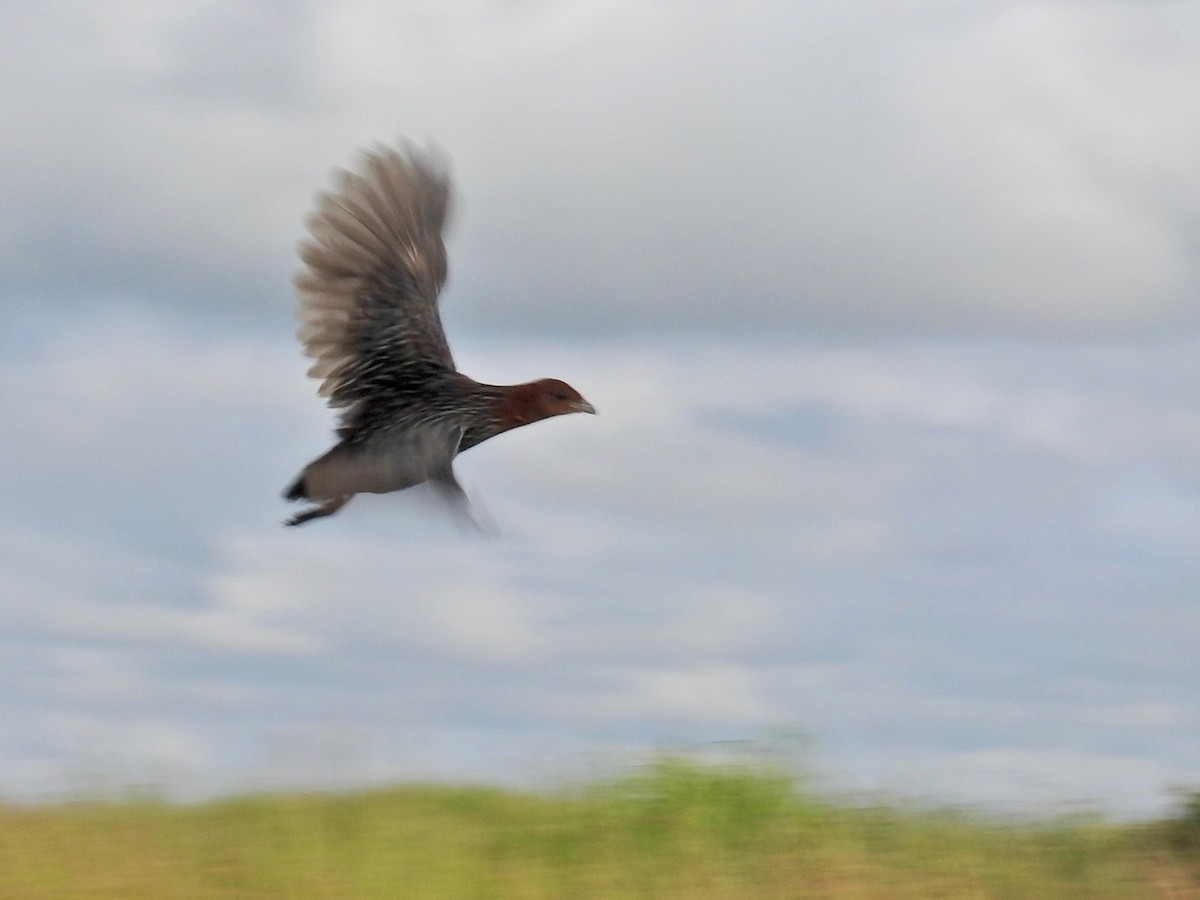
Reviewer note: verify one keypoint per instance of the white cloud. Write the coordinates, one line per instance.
(102, 591)
(720, 694)
(476, 621)
(1025, 166)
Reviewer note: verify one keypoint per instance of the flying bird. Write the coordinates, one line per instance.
(374, 264)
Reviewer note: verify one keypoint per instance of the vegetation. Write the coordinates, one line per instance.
(674, 829)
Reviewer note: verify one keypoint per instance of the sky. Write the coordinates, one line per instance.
(890, 312)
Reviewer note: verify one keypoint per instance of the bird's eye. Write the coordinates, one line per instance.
(559, 395)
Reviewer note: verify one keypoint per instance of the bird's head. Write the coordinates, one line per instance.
(542, 399)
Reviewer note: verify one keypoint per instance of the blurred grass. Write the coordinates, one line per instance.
(671, 830)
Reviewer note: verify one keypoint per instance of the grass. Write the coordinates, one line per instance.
(671, 830)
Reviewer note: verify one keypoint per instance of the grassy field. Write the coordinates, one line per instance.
(671, 830)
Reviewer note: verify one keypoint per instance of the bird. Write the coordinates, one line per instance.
(374, 263)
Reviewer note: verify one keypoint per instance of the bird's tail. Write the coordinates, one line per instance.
(326, 506)
(295, 490)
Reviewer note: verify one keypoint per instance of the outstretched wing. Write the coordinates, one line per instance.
(374, 263)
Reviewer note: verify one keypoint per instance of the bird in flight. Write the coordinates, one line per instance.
(374, 263)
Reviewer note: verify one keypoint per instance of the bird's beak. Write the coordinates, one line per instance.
(582, 405)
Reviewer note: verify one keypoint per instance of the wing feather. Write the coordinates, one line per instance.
(374, 263)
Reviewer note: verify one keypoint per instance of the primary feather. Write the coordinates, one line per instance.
(375, 263)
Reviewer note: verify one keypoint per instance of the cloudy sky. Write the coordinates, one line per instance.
(890, 310)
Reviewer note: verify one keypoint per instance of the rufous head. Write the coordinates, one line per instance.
(542, 399)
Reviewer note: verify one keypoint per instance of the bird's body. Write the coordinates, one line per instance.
(368, 304)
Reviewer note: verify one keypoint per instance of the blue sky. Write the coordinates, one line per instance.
(890, 317)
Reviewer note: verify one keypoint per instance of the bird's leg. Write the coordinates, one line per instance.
(448, 488)
(328, 508)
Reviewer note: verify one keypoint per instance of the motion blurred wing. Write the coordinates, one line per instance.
(374, 263)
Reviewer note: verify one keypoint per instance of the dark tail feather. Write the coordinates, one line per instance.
(296, 490)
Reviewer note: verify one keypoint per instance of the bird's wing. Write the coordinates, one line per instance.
(374, 263)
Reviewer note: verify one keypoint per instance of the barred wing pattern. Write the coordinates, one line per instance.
(375, 261)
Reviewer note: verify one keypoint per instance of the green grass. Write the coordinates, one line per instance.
(671, 830)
